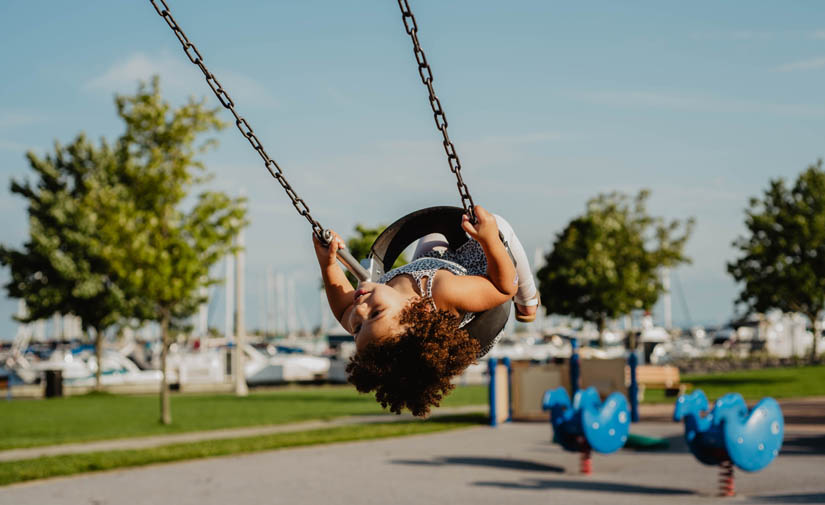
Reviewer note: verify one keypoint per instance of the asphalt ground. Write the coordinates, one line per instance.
(514, 463)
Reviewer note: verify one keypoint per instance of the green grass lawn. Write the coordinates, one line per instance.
(53, 466)
(28, 423)
(754, 384)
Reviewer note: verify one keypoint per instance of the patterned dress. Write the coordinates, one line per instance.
(469, 259)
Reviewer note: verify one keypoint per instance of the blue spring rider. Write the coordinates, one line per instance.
(587, 423)
(731, 435)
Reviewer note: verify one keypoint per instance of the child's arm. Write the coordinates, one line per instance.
(337, 286)
(500, 268)
(475, 293)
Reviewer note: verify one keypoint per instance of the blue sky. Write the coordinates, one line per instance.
(549, 103)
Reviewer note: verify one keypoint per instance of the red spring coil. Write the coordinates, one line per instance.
(726, 485)
(586, 462)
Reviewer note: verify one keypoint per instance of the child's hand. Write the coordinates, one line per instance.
(327, 254)
(485, 231)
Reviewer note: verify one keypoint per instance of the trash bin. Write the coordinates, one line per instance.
(54, 383)
(228, 359)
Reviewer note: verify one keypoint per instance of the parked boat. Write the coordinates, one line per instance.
(268, 367)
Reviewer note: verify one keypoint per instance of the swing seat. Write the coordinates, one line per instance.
(445, 220)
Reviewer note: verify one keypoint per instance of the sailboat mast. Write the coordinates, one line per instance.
(666, 298)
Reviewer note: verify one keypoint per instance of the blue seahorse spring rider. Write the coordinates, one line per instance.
(587, 424)
(730, 434)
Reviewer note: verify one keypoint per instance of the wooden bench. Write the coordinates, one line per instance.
(657, 377)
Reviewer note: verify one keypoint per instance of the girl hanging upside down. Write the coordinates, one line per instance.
(409, 326)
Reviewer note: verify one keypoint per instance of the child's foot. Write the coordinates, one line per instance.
(526, 310)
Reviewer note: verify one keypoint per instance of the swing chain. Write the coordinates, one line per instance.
(426, 74)
(271, 165)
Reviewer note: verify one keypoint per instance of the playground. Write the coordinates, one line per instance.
(512, 463)
(765, 451)
(584, 396)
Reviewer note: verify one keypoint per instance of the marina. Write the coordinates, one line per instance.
(205, 363)
(245, 260)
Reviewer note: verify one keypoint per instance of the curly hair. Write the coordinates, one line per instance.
(413, 369)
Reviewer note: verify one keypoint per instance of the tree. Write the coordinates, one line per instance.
(606, 262)
(64, 268)
(782, 258)
(114, 234)
(359, 246)
(170, 249)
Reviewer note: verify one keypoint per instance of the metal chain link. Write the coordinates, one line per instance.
(271, 165)
(426, 74)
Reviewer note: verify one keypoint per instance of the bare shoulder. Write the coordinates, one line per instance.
(443, 286)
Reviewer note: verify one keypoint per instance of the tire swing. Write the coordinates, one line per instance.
(398, 236)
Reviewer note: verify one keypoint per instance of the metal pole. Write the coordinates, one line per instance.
(291, 308)
(57, 321)
(492, 363)
(203, 318)
(666, 298)
(229, 306)
(240, 326)
(349, 260)
(270, 303)
(575, 370)
(322, 327)
(633, 389)
(280, 295)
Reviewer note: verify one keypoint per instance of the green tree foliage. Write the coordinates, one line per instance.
(782, 257)
(359, 246)
(64, 267)
(171, 246)
(606, 262)
(116, 232)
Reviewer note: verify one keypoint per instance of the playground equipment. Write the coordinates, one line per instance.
(731, 435)
(529, 381)
(499, 392)
(587, 424)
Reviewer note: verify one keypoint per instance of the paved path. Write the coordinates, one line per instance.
(514, 463)
(196, 436)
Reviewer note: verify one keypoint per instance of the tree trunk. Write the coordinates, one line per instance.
(601, 323)
(99, 358)
(815, 323)
(165, 409)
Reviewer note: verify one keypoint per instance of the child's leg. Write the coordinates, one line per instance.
(430, 242)
(526, 284)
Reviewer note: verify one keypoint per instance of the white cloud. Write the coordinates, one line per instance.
(340, 189)
(750, 35)
(10, 145)
(17, 119)
(179, 77)
(643, 99)
(526, 138)
(811, 64)
(246, 90)
(756, 35)
(696, 103)
(124, 74)
(740, 35)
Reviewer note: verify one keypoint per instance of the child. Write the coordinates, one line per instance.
(408, 327)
